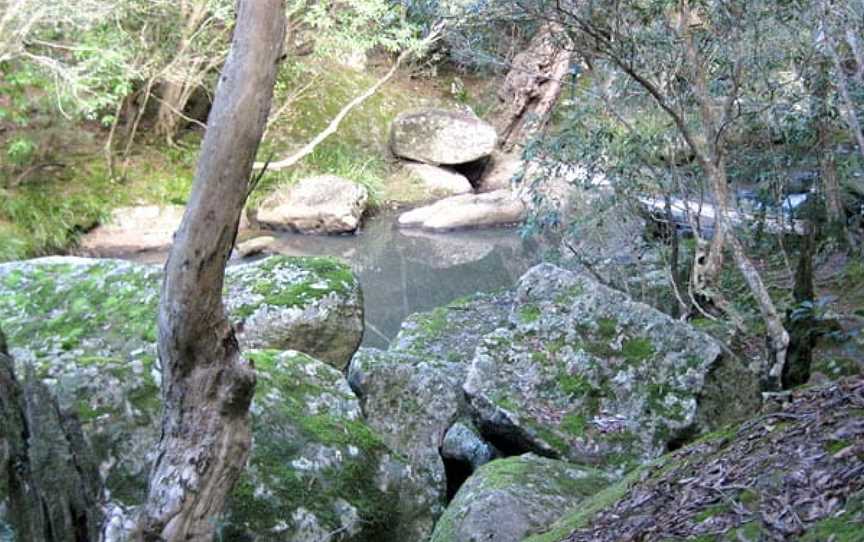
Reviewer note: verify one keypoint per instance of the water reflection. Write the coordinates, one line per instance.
(407, 271)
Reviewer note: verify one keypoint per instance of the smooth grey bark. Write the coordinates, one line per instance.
(46, 467)
(207, 386)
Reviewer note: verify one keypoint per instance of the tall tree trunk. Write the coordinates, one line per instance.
(802, 326)
(207, 386)
(46, 468)
(171, 106)
(532, 87)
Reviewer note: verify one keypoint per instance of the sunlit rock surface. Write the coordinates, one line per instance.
(437, 136)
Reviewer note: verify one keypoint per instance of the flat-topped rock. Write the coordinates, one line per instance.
(71, 307)
(326, 204)
(486, 210)
(131, 230)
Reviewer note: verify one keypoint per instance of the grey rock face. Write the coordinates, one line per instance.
(325, 204)
(411, 394)
(509, 499)
(585, 373)
(436, 136)
(465, 446)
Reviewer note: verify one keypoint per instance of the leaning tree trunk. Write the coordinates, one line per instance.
(47, 470)
(207, 386)
(532, 87)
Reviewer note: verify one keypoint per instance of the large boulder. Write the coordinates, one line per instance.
(132, 230)
(412, 394)
(73, 308)
(317, 471)
(490, 209)
(439, 181)
(509, 499)
(587, 374)
(437, 137)
(325, 204)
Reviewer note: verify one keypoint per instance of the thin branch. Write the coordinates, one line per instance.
(333, 127)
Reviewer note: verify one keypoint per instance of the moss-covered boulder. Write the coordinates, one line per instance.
(587, 374)
(791, 473)
(88, 329)
(412, 394)
(78, 309)
(509, 499)
(316, 471)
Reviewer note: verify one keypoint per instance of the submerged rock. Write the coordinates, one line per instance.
(585, 373)
(436, 136)
(325, 204)
(78, 308)
(509, 499)
(496, 208)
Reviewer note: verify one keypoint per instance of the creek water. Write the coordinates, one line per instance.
(407, 271)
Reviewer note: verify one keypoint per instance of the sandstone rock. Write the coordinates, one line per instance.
(254, 246)
(438, 180)
(325, 204)
(134, 229)
(589, 375)
(311, 304)
(510, 499)
(436, 136)
(466, 211)
(501, 172)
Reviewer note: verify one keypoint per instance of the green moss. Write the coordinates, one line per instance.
(67, 304)
(637, 350)
(574, 384)
(837, 367)
(834, 446)
(573, 424)
(711, 511)
(607, 328)
(845, 527)
(434, 323)
(747, 532)
(529, 313)
(285, 389)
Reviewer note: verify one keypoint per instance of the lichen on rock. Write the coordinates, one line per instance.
(587, 374)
